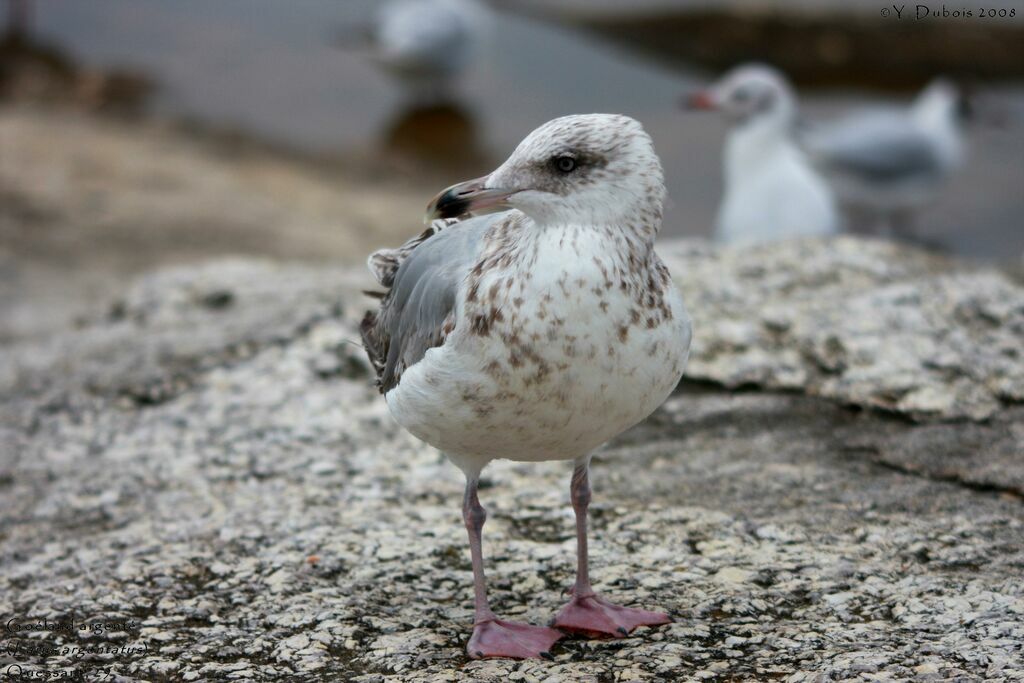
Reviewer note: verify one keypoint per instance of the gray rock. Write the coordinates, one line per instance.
(176, 322)
(864, 323)
(267, 520)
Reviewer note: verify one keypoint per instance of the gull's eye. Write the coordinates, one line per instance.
(741, 95)
(565, 163)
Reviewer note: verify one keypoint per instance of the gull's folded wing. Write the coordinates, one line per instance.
(875, 149)
(417, 313)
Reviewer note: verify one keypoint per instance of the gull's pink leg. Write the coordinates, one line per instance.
(588, 612)
(493, 637)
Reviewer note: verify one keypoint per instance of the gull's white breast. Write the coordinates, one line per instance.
(772, 193)
(551, 356)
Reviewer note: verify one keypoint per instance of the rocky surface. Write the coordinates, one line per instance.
(208, 467)
(867, 323)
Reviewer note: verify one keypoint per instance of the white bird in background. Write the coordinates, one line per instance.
(425, 44)
(886, 163)
(771, 190)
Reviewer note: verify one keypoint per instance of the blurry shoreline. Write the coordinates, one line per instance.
(821, 52)
(91, 201)
(819, 45)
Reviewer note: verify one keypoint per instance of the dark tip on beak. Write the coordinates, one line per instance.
(450, 204)
(699, 101)
(459, 200)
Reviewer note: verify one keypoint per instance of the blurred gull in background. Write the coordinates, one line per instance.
(771, 190)
(886, 163)
(425, 44)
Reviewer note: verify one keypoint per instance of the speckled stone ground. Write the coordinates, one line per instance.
(868, 323)
(210, 464)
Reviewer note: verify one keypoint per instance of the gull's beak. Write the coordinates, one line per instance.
(702, 100)
(470, 196)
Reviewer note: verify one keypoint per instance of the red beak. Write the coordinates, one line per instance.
(700, 100)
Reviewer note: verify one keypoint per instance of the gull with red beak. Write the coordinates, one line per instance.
(771, 190)
(537, 331)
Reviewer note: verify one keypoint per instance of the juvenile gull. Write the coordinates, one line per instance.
(536, 333)
(771, 190)
(886, 163)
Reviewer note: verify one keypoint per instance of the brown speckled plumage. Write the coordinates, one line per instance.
(528, 301)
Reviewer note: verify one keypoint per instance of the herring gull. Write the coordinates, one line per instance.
(536, 332)
(771, 190)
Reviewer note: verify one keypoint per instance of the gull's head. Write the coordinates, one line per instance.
(596, 169)
(751, 92)
(942, 100)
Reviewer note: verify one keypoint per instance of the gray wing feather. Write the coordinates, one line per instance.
(876, 149)
(418, 311)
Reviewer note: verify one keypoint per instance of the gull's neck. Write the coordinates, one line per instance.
(627, 239)
(935, 114)
(935, 111)
(636, 227)
(757, 142)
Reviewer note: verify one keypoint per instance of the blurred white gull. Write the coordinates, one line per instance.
(885, 163)
(425, 44)
(771, 190)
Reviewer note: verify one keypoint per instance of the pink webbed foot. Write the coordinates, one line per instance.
(497, 638)
(593, 615)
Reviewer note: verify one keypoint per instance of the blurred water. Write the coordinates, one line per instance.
(271, 68)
